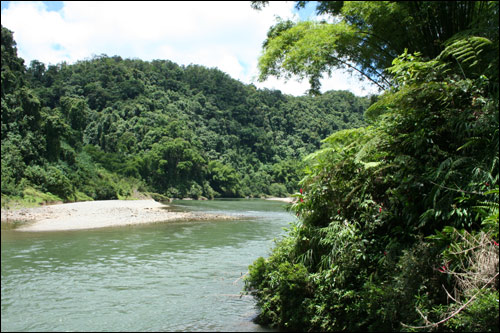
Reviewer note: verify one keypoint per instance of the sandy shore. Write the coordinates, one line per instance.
(98, 214)
(287, 200)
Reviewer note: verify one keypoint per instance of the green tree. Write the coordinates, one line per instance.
(224, 179)
(180, 130)
(392, 213)
(12, 65)
(368, 35)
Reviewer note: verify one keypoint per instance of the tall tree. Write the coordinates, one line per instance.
(12, 65)
(367, 36)
(390, 214)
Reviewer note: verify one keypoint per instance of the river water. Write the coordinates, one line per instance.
(174, 276)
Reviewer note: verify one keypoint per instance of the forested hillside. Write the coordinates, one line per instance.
(398, 226)
(107, 127)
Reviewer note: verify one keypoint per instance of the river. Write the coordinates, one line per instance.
(174, 276)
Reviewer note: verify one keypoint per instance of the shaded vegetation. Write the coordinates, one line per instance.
(399, 220)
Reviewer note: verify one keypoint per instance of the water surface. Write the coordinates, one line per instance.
(173, 276)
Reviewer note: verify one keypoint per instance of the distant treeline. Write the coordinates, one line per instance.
(106, 127)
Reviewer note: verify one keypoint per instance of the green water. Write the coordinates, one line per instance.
(180, 276)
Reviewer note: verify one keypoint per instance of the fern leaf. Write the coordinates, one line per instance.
(467, 50)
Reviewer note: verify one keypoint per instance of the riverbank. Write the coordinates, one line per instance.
(287, 200)
(111, 279)
(99, 214)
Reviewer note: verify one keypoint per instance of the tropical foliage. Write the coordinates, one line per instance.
(399, 221)
(366, 36)
(107, 127)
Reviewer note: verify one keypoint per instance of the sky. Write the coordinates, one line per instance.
(227, 35)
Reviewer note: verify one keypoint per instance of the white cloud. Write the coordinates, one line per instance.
(339, 80)
(227, 34)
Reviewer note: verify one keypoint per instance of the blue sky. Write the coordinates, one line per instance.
(51, 5)
(227, 35)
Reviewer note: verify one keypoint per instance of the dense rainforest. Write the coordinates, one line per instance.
(107, 128)
(398, 220)
(397, 196)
